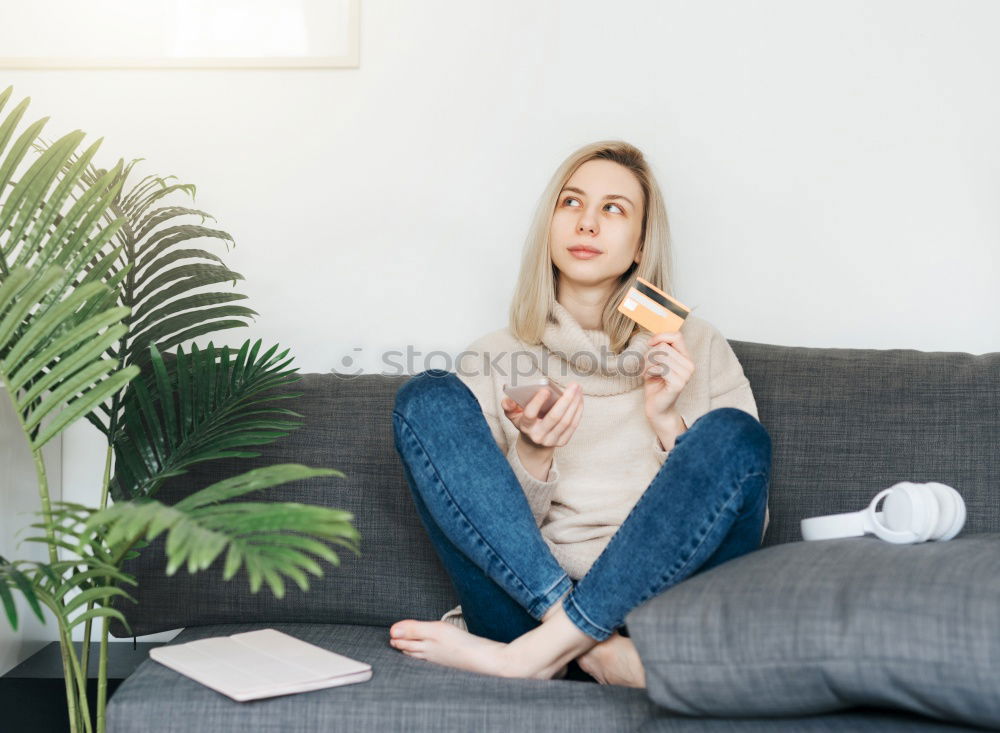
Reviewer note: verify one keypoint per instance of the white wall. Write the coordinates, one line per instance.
(20, 503)
(831, 169)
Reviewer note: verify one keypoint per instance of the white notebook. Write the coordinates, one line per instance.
(258, 664)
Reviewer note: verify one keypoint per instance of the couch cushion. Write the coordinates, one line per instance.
(847, 423)
(811, 627)
(347, 426)
(404, 693)
(414, 695)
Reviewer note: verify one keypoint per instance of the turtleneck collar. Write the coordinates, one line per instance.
(571, 353)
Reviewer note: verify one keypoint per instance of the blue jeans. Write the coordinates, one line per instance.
(705, 506)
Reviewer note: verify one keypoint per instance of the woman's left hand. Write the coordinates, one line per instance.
(667, 353)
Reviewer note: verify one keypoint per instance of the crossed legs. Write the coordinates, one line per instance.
(525, 616)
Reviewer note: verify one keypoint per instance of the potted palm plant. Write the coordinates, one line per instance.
(97, 283)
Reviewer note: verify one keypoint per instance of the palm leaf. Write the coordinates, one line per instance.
(254, 534)
(45, 242)
(69, 523)
(203, 406)
(160, 314)
(93, 574)
(155, 273)
(36, 229)
(12, 578)
(43, 584)
(53, 368)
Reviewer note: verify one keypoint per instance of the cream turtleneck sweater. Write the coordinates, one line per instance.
(587, 497)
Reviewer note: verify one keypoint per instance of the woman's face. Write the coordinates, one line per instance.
(600, 208)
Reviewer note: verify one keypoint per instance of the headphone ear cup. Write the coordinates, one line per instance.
(895, 522)
(926, 498)
(911, 507)
(953, 511)
(946, 510)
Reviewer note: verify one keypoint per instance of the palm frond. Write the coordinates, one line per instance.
(13, 579)
(50, 356)
(92, 573)
(207, 405)
(36, 229)
(271, 539)
(151, 240)
(147, 258)
(71, 531)
(44, 583)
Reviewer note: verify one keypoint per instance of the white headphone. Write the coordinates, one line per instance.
(911, 513)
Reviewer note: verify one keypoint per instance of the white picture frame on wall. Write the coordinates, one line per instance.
(179, 34)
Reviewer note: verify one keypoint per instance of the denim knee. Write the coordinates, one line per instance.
(746, 431)
(429, 387)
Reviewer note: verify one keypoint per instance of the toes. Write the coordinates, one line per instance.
(407, 645)
(411, 629)
(403, 629)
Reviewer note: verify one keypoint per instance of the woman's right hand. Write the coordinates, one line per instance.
(556, 427)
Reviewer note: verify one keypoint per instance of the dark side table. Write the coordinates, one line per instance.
(33, 695)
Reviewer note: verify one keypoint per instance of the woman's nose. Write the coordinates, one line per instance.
(586, 224)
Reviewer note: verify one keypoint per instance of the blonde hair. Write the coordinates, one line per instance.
(535, 291)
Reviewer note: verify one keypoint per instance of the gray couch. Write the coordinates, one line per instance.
(849, 634)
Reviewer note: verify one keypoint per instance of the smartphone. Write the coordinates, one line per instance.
(524, 393)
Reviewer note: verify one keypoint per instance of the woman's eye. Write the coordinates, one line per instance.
(570, 198)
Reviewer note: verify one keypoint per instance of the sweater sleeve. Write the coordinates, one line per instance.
(728, 385)
(538, 493)
(661, 455)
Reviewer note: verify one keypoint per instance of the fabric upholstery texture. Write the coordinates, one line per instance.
(809, 627)
(406, 694)
(845, 423)
(347, 426)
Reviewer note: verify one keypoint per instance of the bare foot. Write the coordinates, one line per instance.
(443, 643)
(614, 661)
(542, 653)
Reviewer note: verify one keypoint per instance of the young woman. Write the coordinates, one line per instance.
(651, 467)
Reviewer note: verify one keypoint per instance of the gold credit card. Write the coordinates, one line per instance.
(653, 309)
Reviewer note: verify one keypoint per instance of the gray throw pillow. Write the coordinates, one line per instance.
(812, 627)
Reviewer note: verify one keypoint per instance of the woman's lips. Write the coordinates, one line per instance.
(584, 254)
